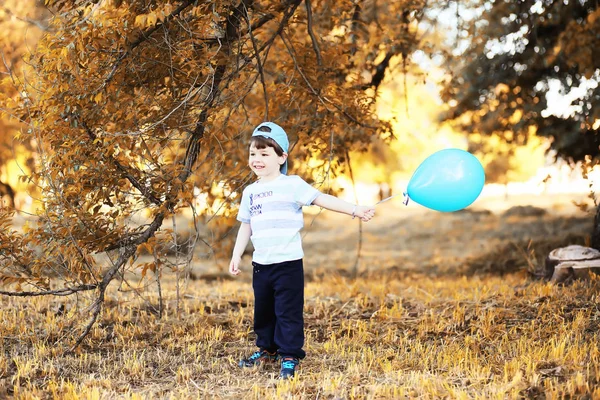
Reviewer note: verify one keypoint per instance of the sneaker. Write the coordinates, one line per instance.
(288, 367)
(257, 358)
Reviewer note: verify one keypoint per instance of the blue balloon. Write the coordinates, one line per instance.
(448, 180)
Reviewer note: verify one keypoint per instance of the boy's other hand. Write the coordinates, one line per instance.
(234, 266)
(365, 212)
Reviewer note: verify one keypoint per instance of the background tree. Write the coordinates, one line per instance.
(21, 23)
(521, 54)
(505, 162)
(519, 50)
(136, 104)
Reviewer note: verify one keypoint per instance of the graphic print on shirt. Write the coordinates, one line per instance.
(256, 209)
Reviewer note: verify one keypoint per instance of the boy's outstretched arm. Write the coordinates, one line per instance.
(335, 204)
(241, 242)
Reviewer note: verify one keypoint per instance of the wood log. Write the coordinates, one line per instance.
(572, 262)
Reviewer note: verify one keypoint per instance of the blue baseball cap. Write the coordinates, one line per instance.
(278, 135)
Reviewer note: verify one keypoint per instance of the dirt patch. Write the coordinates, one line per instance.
(473, 241)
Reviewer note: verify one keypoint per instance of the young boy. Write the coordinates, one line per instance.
(271, 214)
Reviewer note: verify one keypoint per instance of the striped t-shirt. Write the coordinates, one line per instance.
(274, 211)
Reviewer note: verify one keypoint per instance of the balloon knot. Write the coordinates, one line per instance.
(406, 198)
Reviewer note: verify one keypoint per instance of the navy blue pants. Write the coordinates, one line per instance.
(278, 307)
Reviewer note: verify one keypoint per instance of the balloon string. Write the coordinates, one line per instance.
(404, 201)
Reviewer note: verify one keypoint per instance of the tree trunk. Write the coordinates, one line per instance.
(596, 230)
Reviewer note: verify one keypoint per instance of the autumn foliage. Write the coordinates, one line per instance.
(134, 106)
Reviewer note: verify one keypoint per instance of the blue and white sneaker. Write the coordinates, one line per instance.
(258, 358)
(288, 367)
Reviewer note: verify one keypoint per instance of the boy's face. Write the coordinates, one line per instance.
(265, 163)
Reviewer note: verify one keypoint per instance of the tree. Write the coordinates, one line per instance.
(22, 23)
(519, 52)
(506, 162)
(135, 103)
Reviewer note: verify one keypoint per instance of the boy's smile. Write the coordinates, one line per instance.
(265, 163)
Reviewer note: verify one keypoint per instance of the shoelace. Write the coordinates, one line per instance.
(255, 356)
(288, 364)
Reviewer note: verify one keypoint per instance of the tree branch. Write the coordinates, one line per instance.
(141, 39)
(380, 72)
(266, 18)
(127, 252)
(354, 27)
(313, 39)
(132, 179)
(360, 230)
(37, 24)
(324, 100)
(193, 148)
(258, 65)
(263, 20)
(231, 33)
(59, 292)
(284, 21)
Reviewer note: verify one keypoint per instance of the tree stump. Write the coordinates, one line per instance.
(572, 262)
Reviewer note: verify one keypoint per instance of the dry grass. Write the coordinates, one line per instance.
(397, 331)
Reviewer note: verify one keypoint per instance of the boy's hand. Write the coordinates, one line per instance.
(365, 212)
(234, 266)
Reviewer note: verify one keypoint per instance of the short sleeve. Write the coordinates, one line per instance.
(244, 211)
(304, 194)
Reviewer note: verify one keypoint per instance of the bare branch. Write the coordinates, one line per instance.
(324, 100)
(263, 20)
(268, 17)
(37, 24)
(126, 253)
(284, 21)
(157, 276)
(360, 224)
(258, 65)
(108, 277)
(139, 238)
(354, 27)
(59, 292)
(88, 328)
(266, 45)
(313, 39)
(380, 70)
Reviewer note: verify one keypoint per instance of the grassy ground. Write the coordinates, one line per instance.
(443, 307)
